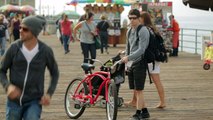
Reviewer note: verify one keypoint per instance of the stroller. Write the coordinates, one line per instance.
(208, 57)
(117, 74)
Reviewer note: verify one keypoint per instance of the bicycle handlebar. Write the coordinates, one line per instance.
(102, 64)
(95, 60)
(118, 62)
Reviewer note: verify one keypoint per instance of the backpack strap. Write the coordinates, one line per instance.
(138, 29)
(147, 67)
(128, 46)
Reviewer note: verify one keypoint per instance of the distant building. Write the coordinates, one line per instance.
(16, 2)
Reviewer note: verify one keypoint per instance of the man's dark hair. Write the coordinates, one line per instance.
(88, 15)
(134, 12)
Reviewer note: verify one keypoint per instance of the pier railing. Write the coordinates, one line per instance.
(191, 39)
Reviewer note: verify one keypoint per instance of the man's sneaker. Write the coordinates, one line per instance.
(144, 115)
(135, 117)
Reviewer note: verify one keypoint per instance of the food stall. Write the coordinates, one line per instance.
(160, 12)
(112, 12)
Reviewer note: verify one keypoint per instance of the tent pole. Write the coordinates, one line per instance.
(19, 2)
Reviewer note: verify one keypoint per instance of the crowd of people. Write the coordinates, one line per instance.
(27, 57)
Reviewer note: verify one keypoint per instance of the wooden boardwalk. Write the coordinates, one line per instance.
(188, 88)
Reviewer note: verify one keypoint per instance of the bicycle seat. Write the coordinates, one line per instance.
(87, 66)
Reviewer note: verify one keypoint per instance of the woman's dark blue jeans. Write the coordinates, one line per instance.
(88, 49)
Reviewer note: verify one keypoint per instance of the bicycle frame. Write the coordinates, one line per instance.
(88, 80)
(82, 93)
(208, 61)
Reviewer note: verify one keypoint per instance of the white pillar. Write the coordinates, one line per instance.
(19, 2)
(39, 7)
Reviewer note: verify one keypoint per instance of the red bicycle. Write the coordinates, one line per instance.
(82, 93)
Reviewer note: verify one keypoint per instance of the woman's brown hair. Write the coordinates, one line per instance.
(147, 21)
(88, 15)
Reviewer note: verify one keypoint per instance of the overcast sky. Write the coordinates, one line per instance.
(179, 9)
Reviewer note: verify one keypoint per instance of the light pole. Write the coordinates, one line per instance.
(48, 10)
(19, 2)
(39, 7)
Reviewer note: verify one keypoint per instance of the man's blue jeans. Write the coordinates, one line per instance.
(28, 111)
(66, 41)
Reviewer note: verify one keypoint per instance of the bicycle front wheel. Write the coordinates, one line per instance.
(112, 101)
(73, 107)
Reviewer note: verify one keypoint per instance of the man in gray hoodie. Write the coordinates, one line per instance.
(26, 59)
(135, 48)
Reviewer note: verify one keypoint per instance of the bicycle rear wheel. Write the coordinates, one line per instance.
(112, 104)
(73, 107)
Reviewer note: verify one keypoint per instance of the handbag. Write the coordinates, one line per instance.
(96, 38)
(97, 42)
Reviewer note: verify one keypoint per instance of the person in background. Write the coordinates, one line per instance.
(6, 22)
(66, 32)
(175, 38)
(15, 25)
(27, 59)
(146, 20)
(136, 66)
(3, 29)
(102, 27)
(58, 26)
(88, 31)
(44, 27)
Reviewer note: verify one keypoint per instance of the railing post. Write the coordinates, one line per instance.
(196, 41)
(181, 39)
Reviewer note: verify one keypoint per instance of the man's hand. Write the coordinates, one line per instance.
(45, 100)
(13, 92)
(124, 59)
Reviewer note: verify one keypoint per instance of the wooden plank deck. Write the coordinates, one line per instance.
(188, 88)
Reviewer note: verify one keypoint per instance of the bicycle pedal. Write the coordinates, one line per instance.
(77, 106)
(88, 105)
(103, 103)
(120, 101)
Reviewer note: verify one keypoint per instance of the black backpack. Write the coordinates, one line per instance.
(155, 51)
(157, 47)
